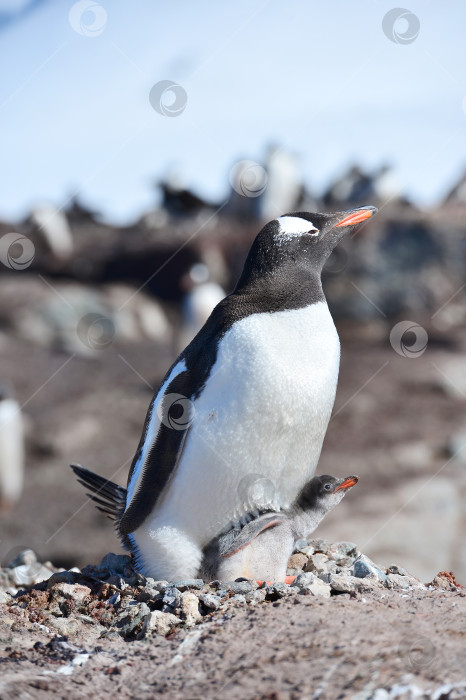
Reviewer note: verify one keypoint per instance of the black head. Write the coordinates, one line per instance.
(290, 252)
(324, 492)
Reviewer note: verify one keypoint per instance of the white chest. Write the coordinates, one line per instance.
(261, 417)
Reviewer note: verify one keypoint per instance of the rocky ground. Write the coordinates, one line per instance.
(344, 628)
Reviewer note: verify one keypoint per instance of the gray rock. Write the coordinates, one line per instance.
(304, 580)
(73, 591)
(66, 627)
(320, 564)
(341, 551)
(242, 586)
(343, 583)
(158, 622)
(395, 582)
(211, 601)
(189, 608)
(223, 592)
(196, 583)
(60, 577)
(131, 620)
(277, 590)
(257, 596)
(239, 599)
(363, 567)
(115, 563)
(157, 585)
(171, 596)
(309, 584)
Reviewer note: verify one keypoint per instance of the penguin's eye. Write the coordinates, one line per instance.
(328, 487)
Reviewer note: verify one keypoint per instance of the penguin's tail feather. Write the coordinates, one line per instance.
(109, 497)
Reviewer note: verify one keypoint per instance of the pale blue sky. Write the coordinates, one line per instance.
(318, 77)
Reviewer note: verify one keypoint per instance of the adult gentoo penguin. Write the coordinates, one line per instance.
(262, 547)
(248, 401)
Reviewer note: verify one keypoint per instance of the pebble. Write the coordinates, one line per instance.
(343, 583)
(309, 584)
(257, 596)
(211, 601)
(189, 608)
(363, 567)
(238, 598)
(242, 586)
(158, 622)
(115, 563)
(132, 619)
(296, 564)
(277, 590)
(196, 583)
(171, 596)
(75, 592)
(320, 564)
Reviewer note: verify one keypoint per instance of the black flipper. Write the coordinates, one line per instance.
(250, 531)
(110, 497)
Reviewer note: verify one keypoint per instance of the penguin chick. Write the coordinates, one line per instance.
(261, 549)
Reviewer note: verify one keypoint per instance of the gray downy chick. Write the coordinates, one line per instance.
(261, 549)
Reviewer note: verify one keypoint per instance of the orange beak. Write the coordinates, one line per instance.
(348, 483)
(357, 216)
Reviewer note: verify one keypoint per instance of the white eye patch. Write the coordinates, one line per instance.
(290, 226)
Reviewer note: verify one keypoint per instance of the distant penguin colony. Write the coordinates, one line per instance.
(248, 401)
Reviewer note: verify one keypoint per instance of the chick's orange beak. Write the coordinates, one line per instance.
(348, 483)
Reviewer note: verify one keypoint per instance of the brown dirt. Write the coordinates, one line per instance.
(300, 647)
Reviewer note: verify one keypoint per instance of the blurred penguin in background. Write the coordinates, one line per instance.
(11, 449)
(284, 183)
(52, 225)
(201, 297)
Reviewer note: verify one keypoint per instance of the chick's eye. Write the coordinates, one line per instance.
(327, 487)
